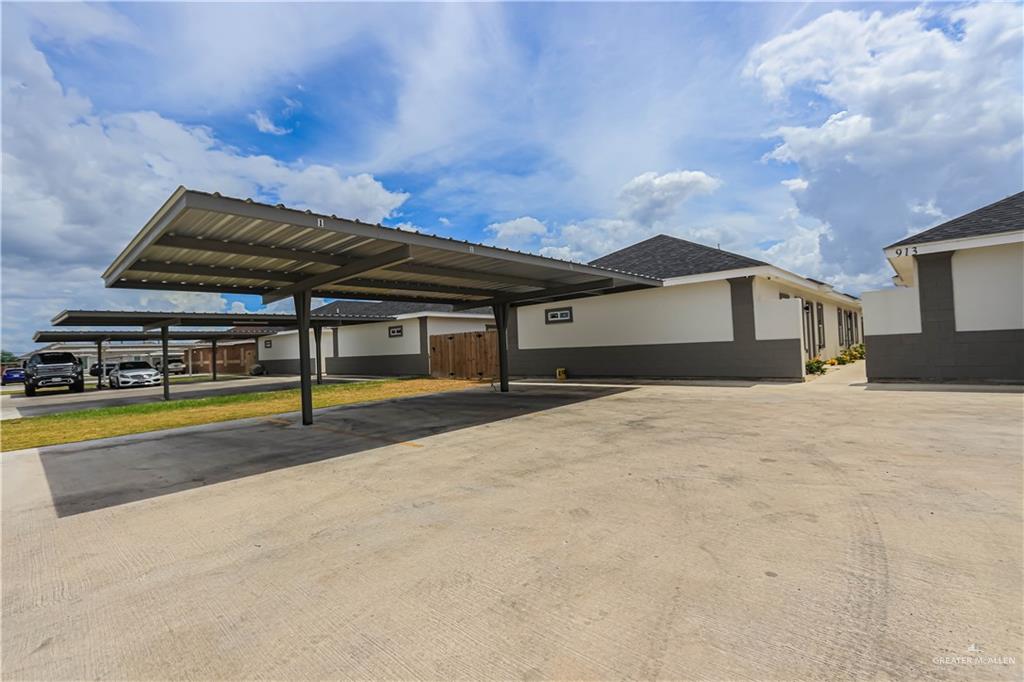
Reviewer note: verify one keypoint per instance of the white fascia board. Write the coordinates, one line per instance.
(901, 258)
(461, 316)
(715, 276)
(769, 272)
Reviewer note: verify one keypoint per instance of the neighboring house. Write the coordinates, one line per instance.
(957, 312)
(376, 338)
(233, 357)
(719, 314)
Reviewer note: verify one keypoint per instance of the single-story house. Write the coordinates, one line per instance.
(718, 314)
(957, 311)
(380, 338)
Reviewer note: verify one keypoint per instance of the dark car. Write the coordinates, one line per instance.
(108, 367)
(44, 370)
(12, 375)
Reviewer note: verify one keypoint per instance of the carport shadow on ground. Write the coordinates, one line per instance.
(99, 474)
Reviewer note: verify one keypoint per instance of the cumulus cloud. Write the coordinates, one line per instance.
(922, 120)
(78, 184)
(265, 125)
(649, 198)
(517, 232)
(648, 204)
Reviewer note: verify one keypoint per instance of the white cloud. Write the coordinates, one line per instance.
(795, 184)
(517, 232)
(265, 125)
(78, 184)
(926, 120)
(649, 198)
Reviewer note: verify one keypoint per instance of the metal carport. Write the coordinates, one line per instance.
(164, 335)
(208, 242)
(149, 320)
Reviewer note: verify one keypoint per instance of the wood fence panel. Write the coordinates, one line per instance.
(469, 355)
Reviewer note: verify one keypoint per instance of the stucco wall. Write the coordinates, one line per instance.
(283, 355)
(369, 351)
(940, 352)
(988, 288)
(892, 311)
(456, 325)
(689, 313)
(782, 318)
(741, 357)
(370, 340)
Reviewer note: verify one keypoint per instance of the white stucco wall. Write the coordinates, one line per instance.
(782, 318)
(361, 340)
(892, 311)
(774, 318)
(285, 346)
(456, 325)
(687, 313)
(988, 288)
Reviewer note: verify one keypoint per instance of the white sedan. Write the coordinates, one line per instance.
(134, 373)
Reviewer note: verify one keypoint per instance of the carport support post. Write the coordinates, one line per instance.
(99, 365)
(501, 312)
(213, 358)
(319, 362)
(303, 299)
(164, 367)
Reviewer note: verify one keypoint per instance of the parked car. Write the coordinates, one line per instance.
(175, 365)
(44, 370)
(134, 373)
(108, 367)
(12, 375)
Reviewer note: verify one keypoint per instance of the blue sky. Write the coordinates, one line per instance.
(808, 135)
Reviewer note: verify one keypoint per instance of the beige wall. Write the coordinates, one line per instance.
(285, 346)
(687, 313)
(988, 288)
(456, 325)
(892, 311)
(362, 340)
(776, 318)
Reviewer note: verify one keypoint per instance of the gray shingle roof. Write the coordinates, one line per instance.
(664, 256)
(386, 309)
(1005, 215)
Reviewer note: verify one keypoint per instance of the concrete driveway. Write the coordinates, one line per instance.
(16, 405)
(819, 531)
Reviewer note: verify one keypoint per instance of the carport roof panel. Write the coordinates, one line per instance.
(208, 242)
(114, 318)
(105, 335)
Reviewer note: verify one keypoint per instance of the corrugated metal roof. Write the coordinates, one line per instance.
(107, 335)
(208, 242)
(126, 318)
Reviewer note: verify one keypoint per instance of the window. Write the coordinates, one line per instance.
(839, 316)
(268, 343)
(821, 325)
(856, 328)
(395, 331)
(557, 315)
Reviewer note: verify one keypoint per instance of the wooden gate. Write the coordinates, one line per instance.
(468, 355)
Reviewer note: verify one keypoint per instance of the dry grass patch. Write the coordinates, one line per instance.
(103, 422)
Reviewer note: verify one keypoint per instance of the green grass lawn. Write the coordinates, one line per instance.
(102, 422)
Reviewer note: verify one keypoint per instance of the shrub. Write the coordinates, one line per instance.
(815, 366)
